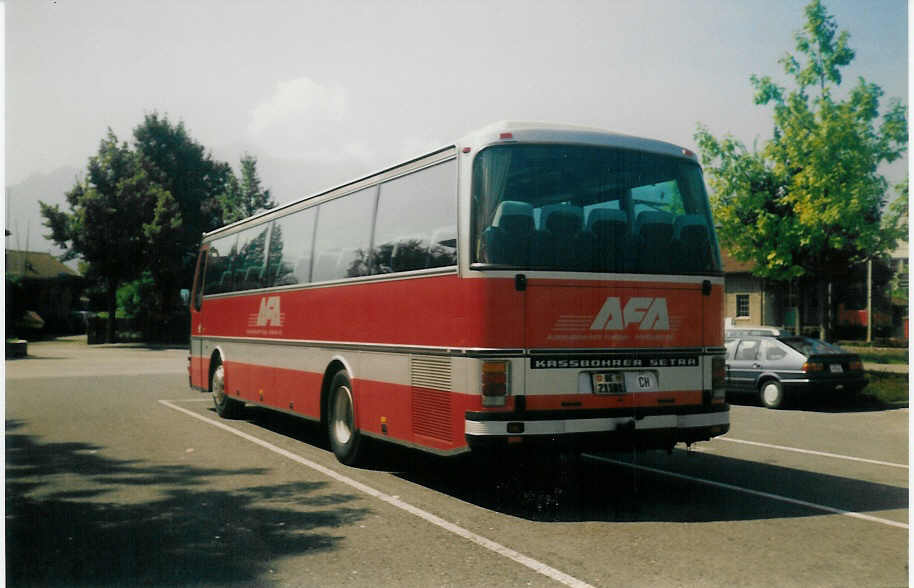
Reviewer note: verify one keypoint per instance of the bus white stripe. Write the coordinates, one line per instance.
(498, 548)
(812, 505)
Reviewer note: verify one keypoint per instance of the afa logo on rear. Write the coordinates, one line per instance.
(650, 314)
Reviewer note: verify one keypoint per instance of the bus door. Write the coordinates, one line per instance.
(198, 375)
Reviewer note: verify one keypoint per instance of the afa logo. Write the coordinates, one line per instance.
(269, 314)
(650, 314)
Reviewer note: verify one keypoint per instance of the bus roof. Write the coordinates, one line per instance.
(541, 132)
(506, 132)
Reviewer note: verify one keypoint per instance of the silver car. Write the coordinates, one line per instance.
(780, 368)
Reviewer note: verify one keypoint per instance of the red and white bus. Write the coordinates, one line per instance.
(527, 284)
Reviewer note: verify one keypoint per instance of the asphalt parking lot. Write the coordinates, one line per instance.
(118, 474)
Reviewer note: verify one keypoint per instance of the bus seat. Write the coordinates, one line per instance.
(509, 238)
(693, 244)
(561, 242)
(608, 230)
(655, 229)
(562, 219)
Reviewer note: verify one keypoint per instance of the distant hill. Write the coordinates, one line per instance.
(23, 217)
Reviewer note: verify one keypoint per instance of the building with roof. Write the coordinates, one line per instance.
(41, 283)
(751, 301)
(798, 306)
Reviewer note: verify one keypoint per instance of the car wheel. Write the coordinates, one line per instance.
(226, 407)
(345, 439)
(771, 394)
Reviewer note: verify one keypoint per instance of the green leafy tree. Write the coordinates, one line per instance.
(181, 165)
(133, 297)
(810, 201)
(109, 210)
(245, 196)
(895, 220)
(895, 223)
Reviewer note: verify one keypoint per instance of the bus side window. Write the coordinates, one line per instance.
(416, 224)
(342, 236)
(218, 276)
(290, 251)
(250, 258)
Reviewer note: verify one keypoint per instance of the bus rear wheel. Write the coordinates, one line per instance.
(345, 439)
(226, 407)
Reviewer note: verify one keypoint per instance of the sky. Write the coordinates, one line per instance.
(321, 92)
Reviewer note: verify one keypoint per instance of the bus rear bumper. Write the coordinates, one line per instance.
(591, 431)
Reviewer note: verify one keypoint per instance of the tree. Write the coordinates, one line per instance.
(195, 180)
(109, 210)
(244, 197)
(811, 200)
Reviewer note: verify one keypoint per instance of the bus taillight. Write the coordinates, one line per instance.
(718, 379)
(496, 382)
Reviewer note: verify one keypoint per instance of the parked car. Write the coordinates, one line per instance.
(778, 368)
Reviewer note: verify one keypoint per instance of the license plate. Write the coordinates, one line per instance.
(836, 368)
(608, 383)
(622, 382)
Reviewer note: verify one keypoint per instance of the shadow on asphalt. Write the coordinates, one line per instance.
(204, 527)
(572, 488)
(569, 488)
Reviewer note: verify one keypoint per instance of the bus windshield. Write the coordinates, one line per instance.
(590, 209)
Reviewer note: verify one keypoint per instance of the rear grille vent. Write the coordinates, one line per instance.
(432, 414)
(430, 378)
(430, 372)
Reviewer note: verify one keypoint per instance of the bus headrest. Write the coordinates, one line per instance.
(514, 216)
(563, 219)
(654, 217)
(690, 223)
(598, 216)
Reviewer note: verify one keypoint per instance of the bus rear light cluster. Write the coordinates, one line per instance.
(718, 379)
(496, 382)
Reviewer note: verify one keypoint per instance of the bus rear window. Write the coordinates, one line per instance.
(590, 209)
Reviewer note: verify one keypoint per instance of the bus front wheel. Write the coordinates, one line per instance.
(345, 439)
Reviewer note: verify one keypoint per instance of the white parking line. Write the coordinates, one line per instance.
(507, 552)
(811, 505)
(810, 452)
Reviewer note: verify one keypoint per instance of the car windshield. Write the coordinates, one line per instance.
(808, 346)
(590, 209)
